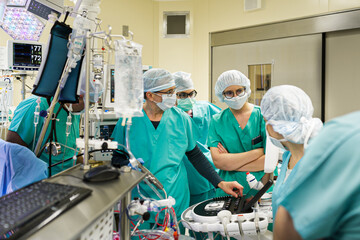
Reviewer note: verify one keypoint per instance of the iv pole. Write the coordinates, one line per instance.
(87, 103)
(51, 111)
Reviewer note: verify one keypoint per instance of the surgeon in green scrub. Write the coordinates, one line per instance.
(237, 135)
(201, 112)
(22, 129)
(323, 197)
(162, 138)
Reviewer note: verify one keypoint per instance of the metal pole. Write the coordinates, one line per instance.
(125, 222)
(23, 90)
(87, 104)
(107, 82)
(51, 111)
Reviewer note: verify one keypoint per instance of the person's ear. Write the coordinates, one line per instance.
(149, 95)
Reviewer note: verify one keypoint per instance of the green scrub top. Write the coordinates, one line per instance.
(202, 113)
(163, 150)
(225, 129)
(323, 197)
(23, 124)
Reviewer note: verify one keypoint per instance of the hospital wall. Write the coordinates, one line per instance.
(144, 18)
(216, 15)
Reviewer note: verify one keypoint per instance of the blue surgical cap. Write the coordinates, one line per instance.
(157, 79)
(229, 78)
(289, 110)
(183, 81)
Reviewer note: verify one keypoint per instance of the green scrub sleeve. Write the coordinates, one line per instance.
(213, 137)
(202, 165)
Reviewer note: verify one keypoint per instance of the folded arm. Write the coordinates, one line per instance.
(235, 161)
(254, 166)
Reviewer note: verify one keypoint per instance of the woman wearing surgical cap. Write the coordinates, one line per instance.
(201, 112)
(237, 134)
(163, 137)
(288, 111)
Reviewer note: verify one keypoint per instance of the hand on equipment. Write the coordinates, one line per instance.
(233, 188)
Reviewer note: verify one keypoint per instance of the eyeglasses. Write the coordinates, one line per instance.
(184, 95)
(230, 94)
(168, 93)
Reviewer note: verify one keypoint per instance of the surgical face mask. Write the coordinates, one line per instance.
(186, 104)
(167, 102)
(276, 142)
(236, 102)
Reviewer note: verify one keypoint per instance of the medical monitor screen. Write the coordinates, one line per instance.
(27, 55)
(106, 131)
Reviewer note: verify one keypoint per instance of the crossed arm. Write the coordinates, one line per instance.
(247, 161)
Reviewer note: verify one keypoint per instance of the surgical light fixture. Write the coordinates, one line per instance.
(21, 24)
(21, 18)
(16, 3)
(2, 10)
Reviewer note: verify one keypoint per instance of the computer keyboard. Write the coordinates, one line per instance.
(26, 210)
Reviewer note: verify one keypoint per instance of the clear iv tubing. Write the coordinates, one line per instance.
(66, 146)
(7, 114)
(175, 220)
(142, 196)
(152, 200)
(256, 220)
(36, 119)
(68, 128)
(161, 234)
(166, 210)
(152, 188)
(128, 125)
(4, 109)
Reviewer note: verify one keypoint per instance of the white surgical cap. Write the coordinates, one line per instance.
(289, 110)
(229, 78)
(157, 79)
(183, 81)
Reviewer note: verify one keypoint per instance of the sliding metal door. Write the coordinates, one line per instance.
(296, 61)
(342, 81)
(320, 54)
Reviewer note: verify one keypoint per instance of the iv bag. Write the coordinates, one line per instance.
(129, 87)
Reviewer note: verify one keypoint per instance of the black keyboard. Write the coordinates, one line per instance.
(28, 209)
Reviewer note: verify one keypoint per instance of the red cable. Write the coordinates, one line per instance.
(157, 217)
(165, 222)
